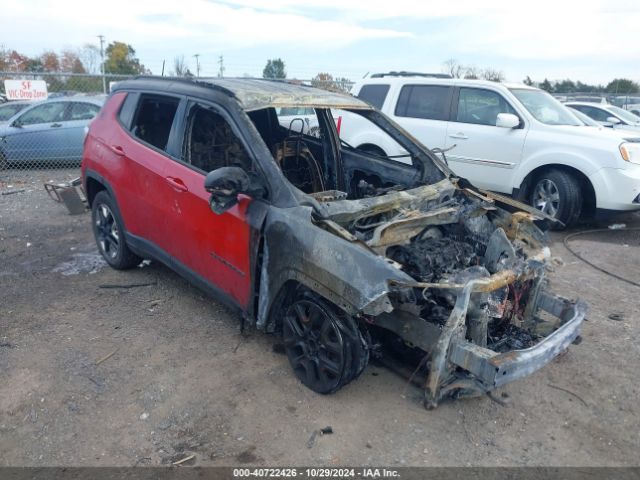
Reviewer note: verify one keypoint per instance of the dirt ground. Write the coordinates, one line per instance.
(183, 380)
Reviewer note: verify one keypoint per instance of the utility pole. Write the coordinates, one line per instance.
(197, 55)
(221, 63)
(104, 80)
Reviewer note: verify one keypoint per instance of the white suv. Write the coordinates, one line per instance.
(513, 139)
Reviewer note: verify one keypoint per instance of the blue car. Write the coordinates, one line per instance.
(10, 109)
(49, 133)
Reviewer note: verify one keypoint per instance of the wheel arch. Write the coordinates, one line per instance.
(589, 193)
(372, 147)
(287, 291)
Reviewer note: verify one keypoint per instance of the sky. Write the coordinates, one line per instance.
(592, 41)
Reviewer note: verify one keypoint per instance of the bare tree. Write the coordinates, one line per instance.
(90, 56)
(453, 68)
(180, 68)
(493, 74)
(472, 72)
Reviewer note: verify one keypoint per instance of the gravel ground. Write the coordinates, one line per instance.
(183, 380)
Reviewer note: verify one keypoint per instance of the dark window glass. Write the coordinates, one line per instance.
(7, 111)
(46, 113)
(153, 120)
(479, 106)
(431, 102)
(211, 143)
(374, 94)
(83, 111)
(596, 113)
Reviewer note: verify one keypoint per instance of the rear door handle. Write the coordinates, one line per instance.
(56, 125)
(177, 184)
(459, 135)
(117, 149)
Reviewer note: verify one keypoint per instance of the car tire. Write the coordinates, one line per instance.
(109, 233)
(3, 162)
(325, 347)
(558, 194)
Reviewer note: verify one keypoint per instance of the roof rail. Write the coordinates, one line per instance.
(411, 74)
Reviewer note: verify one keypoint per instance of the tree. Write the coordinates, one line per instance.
(493, 75)
(453, 68)
(34, 65)
(274, 69)
(546, 85)
(15, 62)
(585, 87)
(70, 62)
(50, 61)
(565, 86)
(327, 82)
(622, 85)
(180, 68)
(121, 59)
(528, 81)
(90, 56)
(472, 73)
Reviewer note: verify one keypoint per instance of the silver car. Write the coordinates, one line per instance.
(49, 132)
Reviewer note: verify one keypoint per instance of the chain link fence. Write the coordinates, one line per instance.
(49, 134)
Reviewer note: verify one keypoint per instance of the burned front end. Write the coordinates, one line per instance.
(470, 295)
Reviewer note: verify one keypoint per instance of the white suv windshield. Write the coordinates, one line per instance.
(625, 115)
(544, 107)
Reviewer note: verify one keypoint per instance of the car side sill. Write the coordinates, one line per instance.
(145, 248)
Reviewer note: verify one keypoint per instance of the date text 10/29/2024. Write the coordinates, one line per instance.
(304, 473)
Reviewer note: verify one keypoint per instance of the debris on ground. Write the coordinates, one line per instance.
(185, 459)
(106, 357)
(314, 435)
(11, 192)
(130, 285)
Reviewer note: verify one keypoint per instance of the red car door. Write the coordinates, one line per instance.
(215, 247)
(143, 189)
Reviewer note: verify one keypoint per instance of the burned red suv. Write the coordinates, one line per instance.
(345, 253)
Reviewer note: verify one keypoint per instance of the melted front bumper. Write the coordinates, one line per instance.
(493, 369)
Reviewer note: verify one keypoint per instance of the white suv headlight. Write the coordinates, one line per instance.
(630, 152)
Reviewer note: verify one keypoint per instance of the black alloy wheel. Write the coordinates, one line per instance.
(325, 351)
(109, 233)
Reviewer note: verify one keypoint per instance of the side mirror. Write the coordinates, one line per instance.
(507, 120)
(224, 184)
(613, 120)
(17, 124)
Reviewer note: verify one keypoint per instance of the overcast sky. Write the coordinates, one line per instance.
(590, 40)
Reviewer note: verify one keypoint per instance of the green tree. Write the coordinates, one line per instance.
(120, 58)
(622, 85)
(565, 86)
(546, 85)
(274, 69)
(528, 81)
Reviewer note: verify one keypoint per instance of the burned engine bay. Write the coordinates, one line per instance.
(477, 275)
